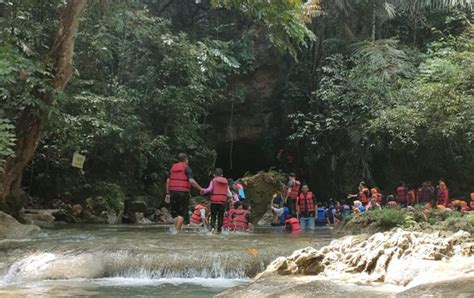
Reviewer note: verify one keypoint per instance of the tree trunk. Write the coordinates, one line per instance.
(30, 123)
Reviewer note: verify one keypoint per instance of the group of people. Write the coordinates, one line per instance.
(225, 207)
(405, 196)
(294, 207)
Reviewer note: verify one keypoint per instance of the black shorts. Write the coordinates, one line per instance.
(179, 203)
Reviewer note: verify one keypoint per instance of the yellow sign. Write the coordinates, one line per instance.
(78, 160)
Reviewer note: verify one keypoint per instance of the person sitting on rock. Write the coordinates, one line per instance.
(373, 204)
(391, 203)
(277, 207)
(358, 207)
(199, 216)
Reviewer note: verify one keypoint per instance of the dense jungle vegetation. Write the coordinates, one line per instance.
(367, 89)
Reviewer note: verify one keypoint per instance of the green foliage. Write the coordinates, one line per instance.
(7, 140)
(283, 20)
(110, 194)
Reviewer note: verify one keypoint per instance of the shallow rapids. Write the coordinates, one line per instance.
(90, 260)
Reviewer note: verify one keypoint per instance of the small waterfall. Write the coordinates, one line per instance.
(130, 264)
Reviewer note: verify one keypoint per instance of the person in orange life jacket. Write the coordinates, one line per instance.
(442, 194)
(292, 193)
(178, 187)
(363, 194)
(375, 194)
(306, 207)
(240, 218)
(292, 225)
(227, 215)
(411, 196)
(401, 193)
(199, 216)
(219, 195)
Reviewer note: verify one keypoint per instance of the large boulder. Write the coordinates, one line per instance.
(133, 207)
(260, 188)
(398, 257)
(11, 228)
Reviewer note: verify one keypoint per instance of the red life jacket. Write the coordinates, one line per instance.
(219, 190)
(239, 220)
(196, 217)
(295, 224)
(178, 179)
(295, 190)
(227, 215)
(306, 201)
(411, 197)
(472, 205)
(442, 197)
(401, 194)
(364, 196)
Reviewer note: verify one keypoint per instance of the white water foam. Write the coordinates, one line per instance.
(199, 281)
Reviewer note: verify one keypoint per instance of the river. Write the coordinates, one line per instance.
(131, 260)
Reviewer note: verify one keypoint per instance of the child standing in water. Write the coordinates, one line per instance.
(219, 195)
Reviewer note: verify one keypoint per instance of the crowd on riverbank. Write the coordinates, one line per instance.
(295, 206)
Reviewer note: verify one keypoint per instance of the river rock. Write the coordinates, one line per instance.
(77, 210)
(44, 215)
(266, 219)
(11, 228)
(166, 215)
(398, 257)
(259, 190)
(65, 213)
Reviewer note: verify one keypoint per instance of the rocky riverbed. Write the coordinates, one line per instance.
(395, 261)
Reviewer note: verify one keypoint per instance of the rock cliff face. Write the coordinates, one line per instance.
(253, 117)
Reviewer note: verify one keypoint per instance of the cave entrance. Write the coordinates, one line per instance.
(246, 157)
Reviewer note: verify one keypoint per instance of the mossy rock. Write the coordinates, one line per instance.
(259, 190)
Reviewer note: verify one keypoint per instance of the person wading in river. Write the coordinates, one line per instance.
(292, 194)
(306, 207)
(178, 187)
(220, 194)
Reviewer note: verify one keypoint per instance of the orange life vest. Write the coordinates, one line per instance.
(196, 217)
(295, 190)
(411, 197)
(306, 203)
(294, 223)
(239, 220)
(219, 190)
(363, 196)
(401, 194)
(178, 179)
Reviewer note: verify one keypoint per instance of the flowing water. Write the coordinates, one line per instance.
(140, 260)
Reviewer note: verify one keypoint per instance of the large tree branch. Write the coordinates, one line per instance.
(63, 49)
